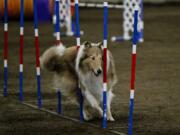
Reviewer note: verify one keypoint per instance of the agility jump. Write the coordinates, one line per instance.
(128, 7)
(128, 12)
(128, 20)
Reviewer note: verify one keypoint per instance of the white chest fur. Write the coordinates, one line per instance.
(93, 84)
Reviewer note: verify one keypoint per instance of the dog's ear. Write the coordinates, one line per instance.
(87, 44)
(100, 45)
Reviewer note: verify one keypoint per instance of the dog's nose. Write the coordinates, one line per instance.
(99, 71)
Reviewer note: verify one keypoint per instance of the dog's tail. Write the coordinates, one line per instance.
(52, 58)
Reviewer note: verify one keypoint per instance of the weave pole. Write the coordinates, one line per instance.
(38, 75)
(58, 41)
(104, 123)
(57, 25)
(78, 43)
(133, 73)
(21, 51)
(5, 92)
(141, 32)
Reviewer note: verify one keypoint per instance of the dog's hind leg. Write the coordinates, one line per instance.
(93, 102)
(109, 100)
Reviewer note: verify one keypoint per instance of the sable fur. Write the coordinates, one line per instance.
(84, 68)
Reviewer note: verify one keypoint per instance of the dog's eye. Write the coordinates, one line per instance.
(92, 57)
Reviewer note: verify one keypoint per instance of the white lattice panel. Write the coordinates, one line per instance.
(63, 12)
(128, 15)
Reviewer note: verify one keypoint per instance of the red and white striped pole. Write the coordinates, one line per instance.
(133, 73)
(78, 44)
(104, 123)
(21, 51)
(36, 34)
(5, 92)
(58, 43)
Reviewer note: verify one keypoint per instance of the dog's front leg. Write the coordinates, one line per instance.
(86, 112)
(109, 100)
(93, 102)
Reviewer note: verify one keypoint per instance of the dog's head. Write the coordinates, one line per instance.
(91, 58)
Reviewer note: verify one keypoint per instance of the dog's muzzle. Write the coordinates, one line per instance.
(98, 72)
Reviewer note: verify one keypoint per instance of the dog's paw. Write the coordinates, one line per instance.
(87, 116)
(110, 118)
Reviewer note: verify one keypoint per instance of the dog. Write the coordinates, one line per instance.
(82, 68)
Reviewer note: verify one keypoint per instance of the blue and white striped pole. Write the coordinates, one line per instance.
(5, 92)
(78, 43)
(58, 42)
(133, 73)
(21, 51)
(77, 23)
(57, 25)
(141, 25)
(38, 75)
(59, 104)
(104, 122)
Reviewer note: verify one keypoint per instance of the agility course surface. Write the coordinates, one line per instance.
(157, 84)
